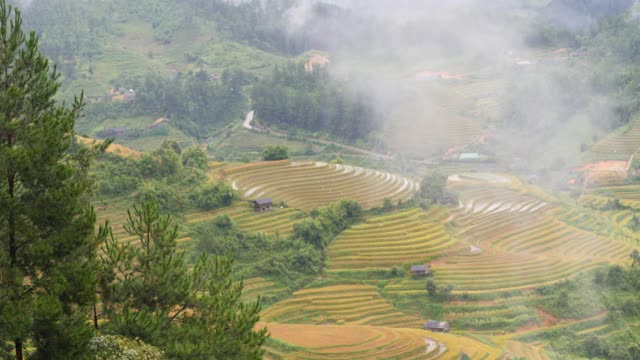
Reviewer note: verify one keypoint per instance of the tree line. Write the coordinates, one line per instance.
(196, 103)
(311, 100)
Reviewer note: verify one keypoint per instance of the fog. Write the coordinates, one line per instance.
(540, 109)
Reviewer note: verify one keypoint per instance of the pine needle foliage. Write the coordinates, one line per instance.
(47, 251)
(148, 292)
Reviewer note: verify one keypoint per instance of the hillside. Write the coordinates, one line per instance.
(367, 180)
(517, 237)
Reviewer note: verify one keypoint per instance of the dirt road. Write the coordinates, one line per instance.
(247, 121)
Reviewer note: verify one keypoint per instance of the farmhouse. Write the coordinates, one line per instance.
(263, 204)
(439, 326)
(316, 61)
(420, 270)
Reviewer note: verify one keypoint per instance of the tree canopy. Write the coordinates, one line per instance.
(275, 152)
(311, 100)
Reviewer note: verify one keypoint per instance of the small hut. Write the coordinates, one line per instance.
(420, 270)
(263, 204)
(437, 326)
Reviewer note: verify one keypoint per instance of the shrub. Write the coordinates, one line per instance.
(395, 271)
(166, 196)
(431, 287)
(194, 157)
(275, 152)
(115, 347)
(213, 196)
(446, 292)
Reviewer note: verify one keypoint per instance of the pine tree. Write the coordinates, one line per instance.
(148, 292)
(47, 272)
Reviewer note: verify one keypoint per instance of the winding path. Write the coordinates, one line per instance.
(247, 121)
(249, 118)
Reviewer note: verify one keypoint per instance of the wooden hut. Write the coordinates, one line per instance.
(437, 326)
(263, 204)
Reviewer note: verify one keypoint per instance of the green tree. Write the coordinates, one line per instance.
(327, 222)
(47, 267)
(311, 231)
(166, 195)
(349, 210)
(446, 292)
(194, 157)
(431, 287)
(148, 292)
(275, 152)
(432, 187)
(212, 196)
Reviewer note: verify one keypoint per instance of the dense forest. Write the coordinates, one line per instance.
(311, 100)
(197, 104)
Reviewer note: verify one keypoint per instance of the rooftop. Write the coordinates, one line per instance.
(263, 201)
(469, 156)
(434, 324)
(419, 267)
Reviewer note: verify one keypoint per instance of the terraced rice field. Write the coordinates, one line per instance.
(253, 142)
(254, 287)
(276, 221)
(550, 235)
(307, 185)
(493, 201)
(606, 178)
(514, 243)
(115, 149)
(617, 146)
(614, 224)
(150, 143)
(526, 351)
(626, 192)
(604, 197)
(522, 225)
(485, 95)
(501, 313)
(434, 130)
(370, 342)
(339, 304)
(410, 236)
(433, 119)
(494, 273)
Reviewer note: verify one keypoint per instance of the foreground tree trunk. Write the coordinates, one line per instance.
(18, 345)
